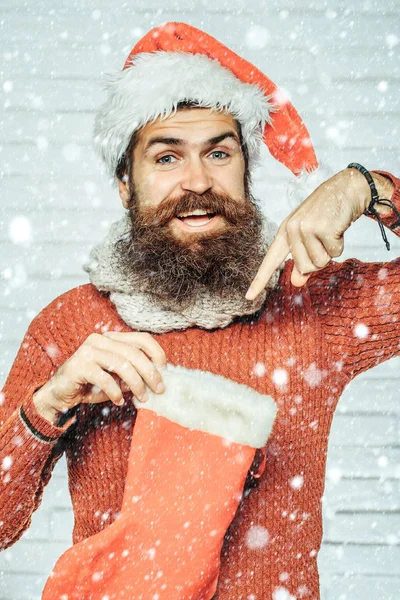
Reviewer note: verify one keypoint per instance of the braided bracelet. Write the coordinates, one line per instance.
(371, 210)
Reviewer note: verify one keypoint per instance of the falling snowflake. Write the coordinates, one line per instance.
(297, 482)
(8, 86)
(361, 330)
(280, 377)
(392, 40)
(42, 143)
(382, 273)
(6, 463)
(52, 351)
(281, 593)
(334, 474)
(257, 537)
(257, 37)
(71, 152)
(383, 461)
(151, 552)
(313, 375)
(259, 369)
(392, 539)
(20, 230)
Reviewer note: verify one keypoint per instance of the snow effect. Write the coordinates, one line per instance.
(331, 14)
(6, 463)
(8, 86)
(297, 482)
(20, 230)
(71, 152)
(260, 369)
(282, 97)
(383, 461)
(16, 277)
(90, 188)
(282, 593)
(52, 350)
(257, 537)
(382, 273)
(361, 330)
(313, 375)
(280, 377)
(257, 37)
(392, 40)
(151, 552)
(334, 474)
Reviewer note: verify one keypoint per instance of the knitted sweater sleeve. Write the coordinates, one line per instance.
(29, 444)
(359, 306)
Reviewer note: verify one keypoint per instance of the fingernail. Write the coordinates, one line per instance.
(249, 295)
(145, 397)
(160, 388)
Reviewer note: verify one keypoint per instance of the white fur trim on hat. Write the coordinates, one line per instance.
(207, 402)
(154, 85)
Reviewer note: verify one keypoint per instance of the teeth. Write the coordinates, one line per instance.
(200, 224)
(198, 211)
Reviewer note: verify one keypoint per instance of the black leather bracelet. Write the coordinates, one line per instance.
(371, 210)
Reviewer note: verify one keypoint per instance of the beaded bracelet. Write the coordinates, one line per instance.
(376, 200)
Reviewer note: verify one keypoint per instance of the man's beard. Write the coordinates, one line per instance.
(174, 271)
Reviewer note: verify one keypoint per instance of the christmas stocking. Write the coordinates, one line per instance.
(191, 450)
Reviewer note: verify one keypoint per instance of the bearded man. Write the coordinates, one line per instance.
(195, 276)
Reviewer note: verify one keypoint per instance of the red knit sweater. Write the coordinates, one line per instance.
(303, 349)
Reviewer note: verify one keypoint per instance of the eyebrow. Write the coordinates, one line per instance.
(170, 141)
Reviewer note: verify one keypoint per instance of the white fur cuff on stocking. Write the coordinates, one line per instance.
(214, 404)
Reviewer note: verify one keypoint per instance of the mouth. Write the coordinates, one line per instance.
(196, 219)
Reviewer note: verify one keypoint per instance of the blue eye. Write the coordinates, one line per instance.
(163, 160)
(220, 152)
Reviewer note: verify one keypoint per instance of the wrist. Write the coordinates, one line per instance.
(44, 407)
(361, 190)
(385, 188)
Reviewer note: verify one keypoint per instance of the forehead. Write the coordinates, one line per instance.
(194, 125)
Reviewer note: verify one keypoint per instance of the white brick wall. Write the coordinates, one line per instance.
(341, 68)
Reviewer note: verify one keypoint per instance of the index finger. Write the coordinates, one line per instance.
(143, 341)
(276, 254)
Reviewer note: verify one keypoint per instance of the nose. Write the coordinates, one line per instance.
(196, 177)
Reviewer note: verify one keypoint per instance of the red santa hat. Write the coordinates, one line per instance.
(176, 62)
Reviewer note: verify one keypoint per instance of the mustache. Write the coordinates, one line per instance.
(234, 211)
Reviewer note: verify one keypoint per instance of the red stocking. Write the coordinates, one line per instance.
(182, 489)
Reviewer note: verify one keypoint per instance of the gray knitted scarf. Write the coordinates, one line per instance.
(141, 313)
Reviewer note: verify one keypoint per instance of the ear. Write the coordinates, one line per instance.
(124, 193)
